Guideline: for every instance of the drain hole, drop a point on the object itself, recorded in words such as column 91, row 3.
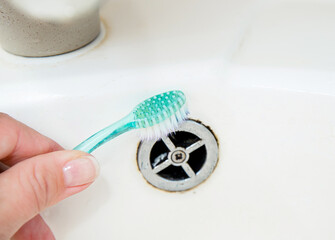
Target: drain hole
column 181, row 160
column 158, row 153
column 173, row 173
column 183, row 139
column 197, row 159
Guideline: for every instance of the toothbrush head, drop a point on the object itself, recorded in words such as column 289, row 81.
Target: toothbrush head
column 161, row 114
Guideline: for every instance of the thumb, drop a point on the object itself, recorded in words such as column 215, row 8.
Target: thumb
column 39, row 182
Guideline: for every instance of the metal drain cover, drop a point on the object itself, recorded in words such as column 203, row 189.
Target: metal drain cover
column 181, row 160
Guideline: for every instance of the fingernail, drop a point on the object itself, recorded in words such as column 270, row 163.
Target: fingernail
column 80, row 171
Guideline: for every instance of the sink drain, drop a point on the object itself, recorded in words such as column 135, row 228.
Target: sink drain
column 181, row 160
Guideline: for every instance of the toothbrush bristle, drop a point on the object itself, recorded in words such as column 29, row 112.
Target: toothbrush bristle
column 165, row 127
column 161, row 114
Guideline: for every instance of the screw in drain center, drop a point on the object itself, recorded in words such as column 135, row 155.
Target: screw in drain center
column 179, row 156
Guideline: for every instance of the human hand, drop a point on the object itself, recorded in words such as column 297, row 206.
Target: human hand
column 41, row 174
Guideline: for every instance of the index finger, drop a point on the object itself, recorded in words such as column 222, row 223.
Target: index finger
column 19, row 142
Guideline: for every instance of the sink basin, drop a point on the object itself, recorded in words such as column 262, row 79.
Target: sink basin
column 261, row 74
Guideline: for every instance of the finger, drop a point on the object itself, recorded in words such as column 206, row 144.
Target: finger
column 39, row 182
column 19, row 142
column 35, row 229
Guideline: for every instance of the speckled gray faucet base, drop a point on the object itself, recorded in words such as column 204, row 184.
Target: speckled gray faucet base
column 31, row 36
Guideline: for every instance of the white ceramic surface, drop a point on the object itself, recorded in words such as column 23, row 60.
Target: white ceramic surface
column 260, row 73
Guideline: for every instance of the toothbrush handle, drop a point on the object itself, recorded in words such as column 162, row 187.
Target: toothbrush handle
column 106, row 134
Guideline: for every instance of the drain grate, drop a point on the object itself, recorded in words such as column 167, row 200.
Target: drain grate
column 181, row 160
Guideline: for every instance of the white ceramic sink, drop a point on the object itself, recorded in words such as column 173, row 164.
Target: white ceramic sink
column 261, row 74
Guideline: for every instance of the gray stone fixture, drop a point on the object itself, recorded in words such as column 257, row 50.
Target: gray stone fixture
column 38, row 28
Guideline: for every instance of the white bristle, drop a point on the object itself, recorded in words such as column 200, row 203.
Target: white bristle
column 179, row 117
column 184, row 112
column 150, row 134
column 156, row 131
column 174, row 121
column 165, row 127
column 166, row 123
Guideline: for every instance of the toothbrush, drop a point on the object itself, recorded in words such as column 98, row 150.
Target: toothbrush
column 156, row 116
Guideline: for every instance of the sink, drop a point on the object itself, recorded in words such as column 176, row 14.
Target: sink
column 260, row 73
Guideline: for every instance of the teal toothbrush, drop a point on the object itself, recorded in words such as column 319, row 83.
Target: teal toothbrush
column 157, row 116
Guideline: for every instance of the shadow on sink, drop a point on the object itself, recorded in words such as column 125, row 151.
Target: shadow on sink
column 74, row 215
